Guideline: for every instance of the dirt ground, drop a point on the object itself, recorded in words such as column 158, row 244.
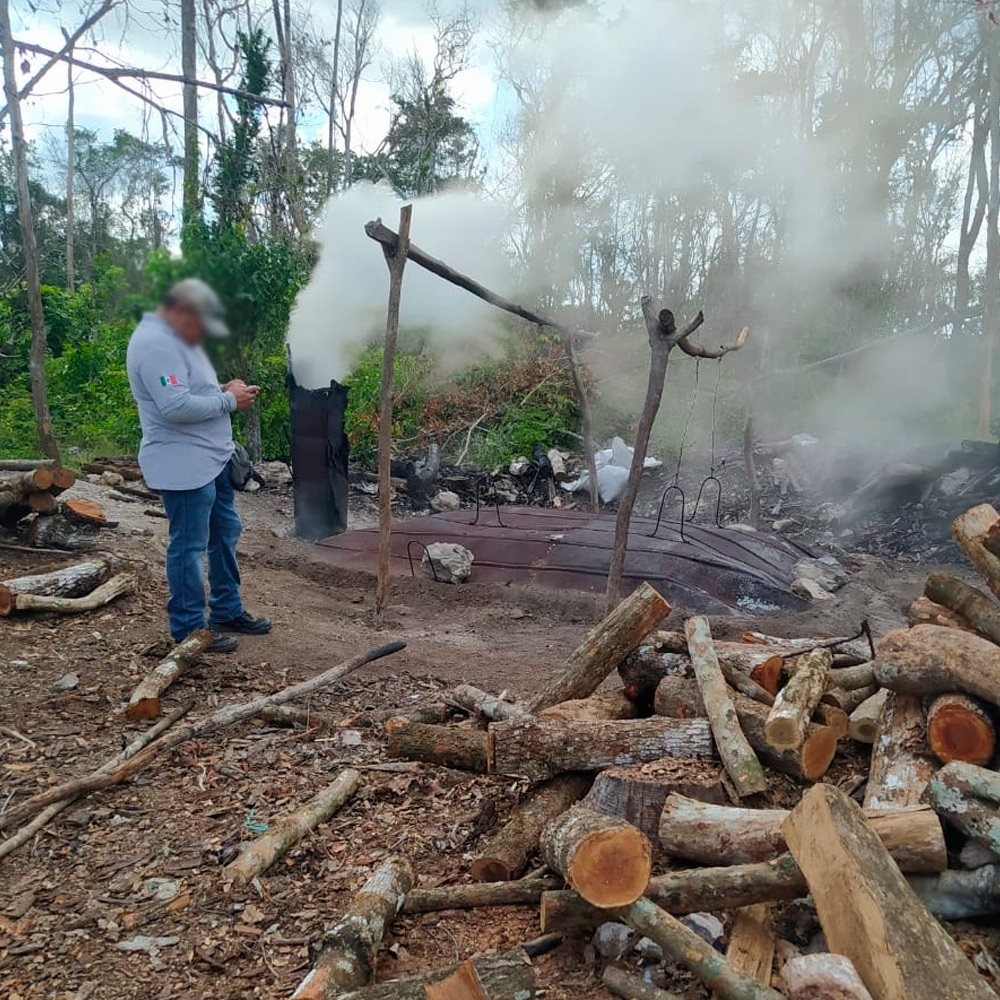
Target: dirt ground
column 121, row 896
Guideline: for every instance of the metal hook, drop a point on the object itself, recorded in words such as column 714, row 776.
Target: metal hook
column 496, row 499
column 718, row 502
column 430, row 562
column 659, row 513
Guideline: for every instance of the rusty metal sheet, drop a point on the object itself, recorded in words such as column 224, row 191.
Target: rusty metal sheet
column 711, row 569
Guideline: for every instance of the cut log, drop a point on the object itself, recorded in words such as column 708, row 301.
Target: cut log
column 348, row 949
column 846, row 700
column 930, row 660
column 823, row 977
column 56, row 531
column 795, row 703
column 127, row 468
column 681, row 944
column 868, row 910
column 70, row 581
column 737, row 755
column 960, row 895
column 768, row 674
column 604, row 648
column 970, row 530
column 901, row 765
column 26, row 464
column 292, row 715
column 865, row 719
column 508, row 976
column 750, row 951
column 968, row 797
column 84, row 512
column 862, row 675
column 924, row 611
column 637, row 793
column 643, row 669
column 505, row 854
column 680, row 699
column 145, row 700
column 629, row 987
column 600, row 707
column 968, row 605
column 832, row 717
column 520, row 892
column 432, row 714
column 606, row 860
column 466, row 983
column 62, row 479
column 258, row 856
column 542, row 748
column 36, row 480
column 723, row 835
column 229, row 715
column 976, row 855
column 478, row 702
column 117, row 586
column 41, row 503
column 959, row 728
column 446, row 746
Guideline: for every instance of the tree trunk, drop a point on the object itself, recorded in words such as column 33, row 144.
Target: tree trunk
column 331, row 124
column 191, row 209
column 901, row 765
column 145, row 700
column 446, row 746
column 967, row 607
column 542, row 748
column 823, row 977
column 117, row 586
column 604, row 647
column 796, row 702
column 991, row 275
column 347, row 956
column 70, row 175
column 520, row 892
column 70, row 581
column 606, row 860
column 505, row 854
column 868, row 911
column 969, row 798
column 865, row 719
column 258, row 856
column 959, row 728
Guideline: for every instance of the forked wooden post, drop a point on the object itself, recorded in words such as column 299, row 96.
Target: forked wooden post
column 396, row 260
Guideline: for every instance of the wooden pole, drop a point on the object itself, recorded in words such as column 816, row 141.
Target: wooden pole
column 396, row 261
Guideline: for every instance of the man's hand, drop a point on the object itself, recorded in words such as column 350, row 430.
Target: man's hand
column 246, row 395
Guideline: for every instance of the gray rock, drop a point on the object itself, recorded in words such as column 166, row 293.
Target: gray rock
column 707, row 926
column 451, row 563
column 811, row 590
column 611, row 939
column 783, row 524
column 445, row 500
column 825, row 571
column 67, row 682
column 949, row 484
column 650, row 951
column 19, row 664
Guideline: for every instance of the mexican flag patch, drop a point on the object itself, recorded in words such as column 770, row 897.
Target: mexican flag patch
column 169, row 380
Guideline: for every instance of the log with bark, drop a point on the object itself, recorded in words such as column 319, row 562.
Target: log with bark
column 490, row 706
column 127, row 468
column 960, row 728
column 519, row 892
column 630, row 987
column 69, row 581
column 865, row 719
column 970, row 531
column 924, row 611
column 110, row 590
column 507, row 976
column 145, row 700
column 604, row 859
column 604, row 648
column 833, row 717
column 968, row 797
column 229, row 715
column 868, row 910
column 446, row 746
column 960, row 895
column 931, row 660
column 969, row 606
column 822, row 977
column 637, row 793
column 862, row 675
column 293, row 715
column 505, row 854
column 788, row 720
column 769, row 675
column 848, row 700
column 724, row 835
column 259, row 855
column 57, row 531
column 348, row 949
column 681, row 944
column 28, row 481
column 679, row 698
column 541, row 748
column 433, row 713
column 738, row 757
column 901, row 765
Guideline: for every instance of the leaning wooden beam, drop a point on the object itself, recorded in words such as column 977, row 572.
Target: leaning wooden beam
column 479, row 702
column 725, row 835
column 604, row 647
column 901, row 765
column 970, row 531
column 788, row 720
column 830, row 977
column 868, row 910
column 968, row 797
column 542, row 748
column 681, row 944
column 630, row 987
column 931, row 659
column 737, row 755
column 446, row 746
column 260, row 854
column 52, row 810
column 226, row 716
column 519, row 892
column 70, row 581
column 960, row 728
column 504, row 855
column 348, row 949
column 606, row 860
column 968, row 604
column 110, row 590
column 145, row 700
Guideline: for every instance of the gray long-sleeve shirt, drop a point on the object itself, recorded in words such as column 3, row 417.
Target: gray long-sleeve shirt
column 187, row 433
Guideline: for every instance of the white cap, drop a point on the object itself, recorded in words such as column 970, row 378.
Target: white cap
column 202, row 300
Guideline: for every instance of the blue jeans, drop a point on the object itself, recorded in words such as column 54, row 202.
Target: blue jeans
column 202, row 521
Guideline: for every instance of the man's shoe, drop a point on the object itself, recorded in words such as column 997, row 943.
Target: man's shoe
column 222, row 643
column 246, row 624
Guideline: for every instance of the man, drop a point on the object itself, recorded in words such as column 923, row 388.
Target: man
column 187, row 441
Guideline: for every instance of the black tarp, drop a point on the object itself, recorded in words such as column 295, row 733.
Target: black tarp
column 319, row 459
